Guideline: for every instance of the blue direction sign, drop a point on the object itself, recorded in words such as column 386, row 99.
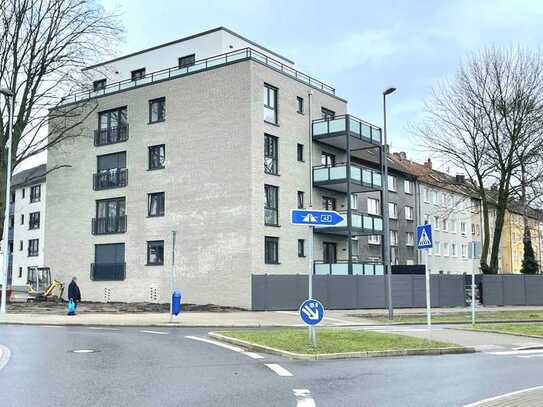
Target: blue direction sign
column 424, row 237
column 318, row 218
column 311, row 312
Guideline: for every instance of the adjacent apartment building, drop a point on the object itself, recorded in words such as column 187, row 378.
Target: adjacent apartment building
column 213, row 137
column 26, row 233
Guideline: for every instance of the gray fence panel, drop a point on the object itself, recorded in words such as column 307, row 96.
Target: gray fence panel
column 451, row 291
column 513, row 290
column 419, row 292
column 371, row 292
column 402, row 291
column 343, row 291
column 492, row 290
column 534, row 290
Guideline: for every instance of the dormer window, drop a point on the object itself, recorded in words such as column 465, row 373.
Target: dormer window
column 138, row 74
column 99, row 85
column 187, row 60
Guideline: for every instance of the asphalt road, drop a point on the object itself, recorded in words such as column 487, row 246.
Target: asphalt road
column 162, row 367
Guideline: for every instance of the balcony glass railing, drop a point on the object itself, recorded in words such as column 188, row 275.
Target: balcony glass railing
column 338, row 125
column 108, row 271
column 109, row 225
column 112, row 178
column 110, row 135
column 341, row 267
column 200, row 65
column 360, row 175
column 363, row 221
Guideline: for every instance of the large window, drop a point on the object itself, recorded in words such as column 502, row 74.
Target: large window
column 392, row 183
column 33, row 247
column 111, row 171
column 271, row 250
column 270, row 104
column 187, row 60
column 394, row 238
column 157, row 110
column 157, row 157
column 409, row 213
column 328, row 159
column 271, row 205
column 155, row 252
column 110, row 216
column 35, row 193
column 112, row 127
column 373, row 206
column 408, row 187
column 271, row 155
column 155, row 204
column 392, row 210
column 328, row 203
column 34, row 220
column 108, row 262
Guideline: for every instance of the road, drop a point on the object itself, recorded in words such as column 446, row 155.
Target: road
column 171, row 367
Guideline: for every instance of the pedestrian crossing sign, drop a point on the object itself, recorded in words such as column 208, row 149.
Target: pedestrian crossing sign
column 424, row 236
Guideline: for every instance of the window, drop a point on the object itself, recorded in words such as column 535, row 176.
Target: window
column 444, row 199
column 410, row 239
column 11, row 221
column 112, row 127
column 270, row 104
column 110, row 216
column 354, row 201
column 301, row 248
column 436, row 223
column 427, row 193
column 34, row 220
column 187, row 60
column 464, row 250
column 35, row 193
column 138, row 74
column 394, row 238
column 300, row 199
column 33, row 249
column 409, row 211
column 21, row 245
column 270, row 155
column 435, row 198
column 329, row 252
column 452, row 226
column 108, row 262
column 445, row 249
column 155, row 252
column 155, row 204
column 328, row 159
column 111, row 171
column 99, row 85
column 22, row 219
column 327, row 113
column 12, row 198
column 300, row 105
column 157, row 110
column 271, row 205
column 20, row 272
column 23, row 193
column 453, row 250
column 444, row 223
column 374, row 239
column 463, row 228
column 408, row 187
column 473, row 228
column 373, row 206
column 328, row 203
column 157, row 157
column 450, row 201
column 437, row 248
column 300, row 152
column 394, row 255
column 478, row 229
column 392, row 210
column 271, row 250
column 392, row 183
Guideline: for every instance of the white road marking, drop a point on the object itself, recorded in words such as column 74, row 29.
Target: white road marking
column 155, row 332
column 280, row 370
column 528, row 347
column 212, row 342
column 488, row 347
column 303, row 398
column 514, row 393
column 254, row 355
column 51, row 326
column 83, row 351
column 531, row 356
column 99, row 328
column 516, row 352
column 5, row 354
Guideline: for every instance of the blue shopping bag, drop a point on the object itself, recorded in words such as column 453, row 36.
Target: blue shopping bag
column 71, row 307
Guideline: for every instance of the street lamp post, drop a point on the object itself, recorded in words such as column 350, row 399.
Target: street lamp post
column 386, row 227
column 10, row 100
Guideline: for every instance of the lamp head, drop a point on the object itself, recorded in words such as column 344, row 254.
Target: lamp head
column 389, row 91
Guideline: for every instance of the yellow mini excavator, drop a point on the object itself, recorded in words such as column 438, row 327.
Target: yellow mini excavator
column 41, row 287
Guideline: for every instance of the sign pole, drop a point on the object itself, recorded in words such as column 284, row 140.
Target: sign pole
column 172, row 278
column 311, row 330
column 428, row 296
column 425, row 242
column 473, row 290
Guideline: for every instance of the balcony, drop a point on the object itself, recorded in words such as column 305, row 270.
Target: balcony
column 112, row 178
column 335, row 178
column 361, row 225
column 111, row 135
column 334, row 132
column 109, row 225
column 108, row 271
column 341, row 268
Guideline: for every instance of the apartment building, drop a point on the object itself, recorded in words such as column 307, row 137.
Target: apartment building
column 214, row 137
column 447, row 204
column 26, row 233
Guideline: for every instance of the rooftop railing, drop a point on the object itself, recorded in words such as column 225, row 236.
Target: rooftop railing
column 197, row 66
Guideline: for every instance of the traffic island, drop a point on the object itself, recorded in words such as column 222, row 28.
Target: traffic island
column 518, row 329
column 335, row 343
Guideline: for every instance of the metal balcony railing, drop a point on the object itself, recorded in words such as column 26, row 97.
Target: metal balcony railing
column 197, row 66
column 111, row 135
column 113, row 178
column 109, row 225
column 360, row 175
column 359, row 129
column 108, row 271
column 341, row 267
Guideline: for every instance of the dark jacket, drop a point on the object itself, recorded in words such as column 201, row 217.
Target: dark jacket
column 73, row 292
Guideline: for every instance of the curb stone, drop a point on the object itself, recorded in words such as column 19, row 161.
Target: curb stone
column 498, row 332
column 343, row 355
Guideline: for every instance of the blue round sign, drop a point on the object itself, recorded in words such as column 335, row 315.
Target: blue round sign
column 311, row 312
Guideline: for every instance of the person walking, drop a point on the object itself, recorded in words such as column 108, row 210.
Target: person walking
column 74, row 294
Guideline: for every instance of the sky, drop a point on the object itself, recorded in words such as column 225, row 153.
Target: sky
column 358, row 47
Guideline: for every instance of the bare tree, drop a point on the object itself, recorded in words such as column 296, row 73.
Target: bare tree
column 486, row 122
column 44, row 44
